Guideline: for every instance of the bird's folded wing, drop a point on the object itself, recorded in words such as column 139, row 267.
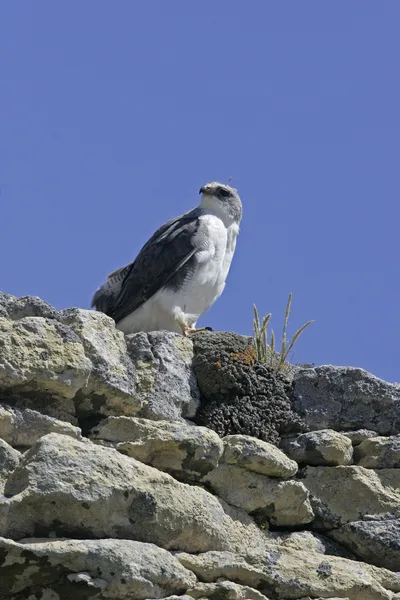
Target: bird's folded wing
column 165, row 256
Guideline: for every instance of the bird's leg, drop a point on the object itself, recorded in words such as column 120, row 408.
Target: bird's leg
column 187, row 330
column 201, row 329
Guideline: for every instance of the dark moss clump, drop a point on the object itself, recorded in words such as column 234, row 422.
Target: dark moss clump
column 239, row 395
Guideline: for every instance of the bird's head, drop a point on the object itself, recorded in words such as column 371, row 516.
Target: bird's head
column 222, row 199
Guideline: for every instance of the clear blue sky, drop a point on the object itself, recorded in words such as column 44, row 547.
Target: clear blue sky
column 115, row 113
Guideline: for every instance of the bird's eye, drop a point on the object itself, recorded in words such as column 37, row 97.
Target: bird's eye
column 223, row 193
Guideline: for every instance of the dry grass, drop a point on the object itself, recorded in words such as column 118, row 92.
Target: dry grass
column 267, row 352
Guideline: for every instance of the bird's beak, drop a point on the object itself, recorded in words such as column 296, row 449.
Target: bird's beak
column 205, row 189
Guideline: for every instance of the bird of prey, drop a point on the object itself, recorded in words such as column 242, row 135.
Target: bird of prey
column 180, row 271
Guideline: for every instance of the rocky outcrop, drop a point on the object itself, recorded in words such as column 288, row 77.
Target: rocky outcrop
column 155, row 466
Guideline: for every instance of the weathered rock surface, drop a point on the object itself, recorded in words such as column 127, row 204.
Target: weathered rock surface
column 28, row 306
column 285, row 573
column 359, row 435
column 258, row 456
column 22, row 428
column 379, row 453
column 9, row 459
column 224, row 590
column 148, row 481
column 110, row 388
column 377, row 542
column 340, row 495
column 185, row 451
column 325, row 447
column 240, row 395
column 42, row 359
column 72, row 488
column 343, row 398
column 165, row 379
column 280, row 503
column 81, row 569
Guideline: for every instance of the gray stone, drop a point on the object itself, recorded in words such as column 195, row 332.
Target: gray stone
column 82, row 569
column 43, row 361
column 258, row 456
column 165, row 380
column 346, row 398
column 9, row 459
column 379, row 453
column 376, row 542
column 111, row 386
column 22, row 428
column 185, row 451
column 285, row 573
column 28, row 306
column 224, row 590
column 359, row 435
column 281, row 503
column 325, row 447
column 340, row 495
column 69, row 488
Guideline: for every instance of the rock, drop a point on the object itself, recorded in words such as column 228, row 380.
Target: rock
column 21, row 428
column 376, row 542
column 298, row 540
column 224, row 590
column 340, row 495
column 280, row 503
column 240, row 395
column 111, row 386
column 43, row 361
column 346, row 398
column 28, row 306
column 379, row 453
column 258, row 456
column 359, row 435
column 81, row 569
column 69, row 488
column 325, row 447
column 165, row 380
column 285, row 573
column 9, row 459
column 185, row 451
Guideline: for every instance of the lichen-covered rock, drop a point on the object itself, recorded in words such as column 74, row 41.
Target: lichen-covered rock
column 376, row 542
column 82, row 569
column 325, row 447
column 28, row 306
column 359, row 435
column 379, row 453
column 258, row 456
column 346, row 398
column 43, row 361
column 185, row 451
column 224, row 590
column 280, row 503
column 340, row 495
column 72, row 488
column 22, row 428
column 284, row 573
column 111, row 386
column 9, row 459
column 165, row 381
column 240, row 395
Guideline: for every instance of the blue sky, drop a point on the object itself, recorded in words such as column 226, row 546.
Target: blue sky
column 115, row 113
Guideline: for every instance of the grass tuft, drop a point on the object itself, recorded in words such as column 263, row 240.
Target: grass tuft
column 267, row 353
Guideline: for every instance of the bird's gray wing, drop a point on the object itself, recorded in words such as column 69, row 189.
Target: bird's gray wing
column 104, row 298
column 167, row 258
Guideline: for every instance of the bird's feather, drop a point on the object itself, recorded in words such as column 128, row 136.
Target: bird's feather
column 164, row 259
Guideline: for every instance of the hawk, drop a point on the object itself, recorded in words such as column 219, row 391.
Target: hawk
column 180, row 272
